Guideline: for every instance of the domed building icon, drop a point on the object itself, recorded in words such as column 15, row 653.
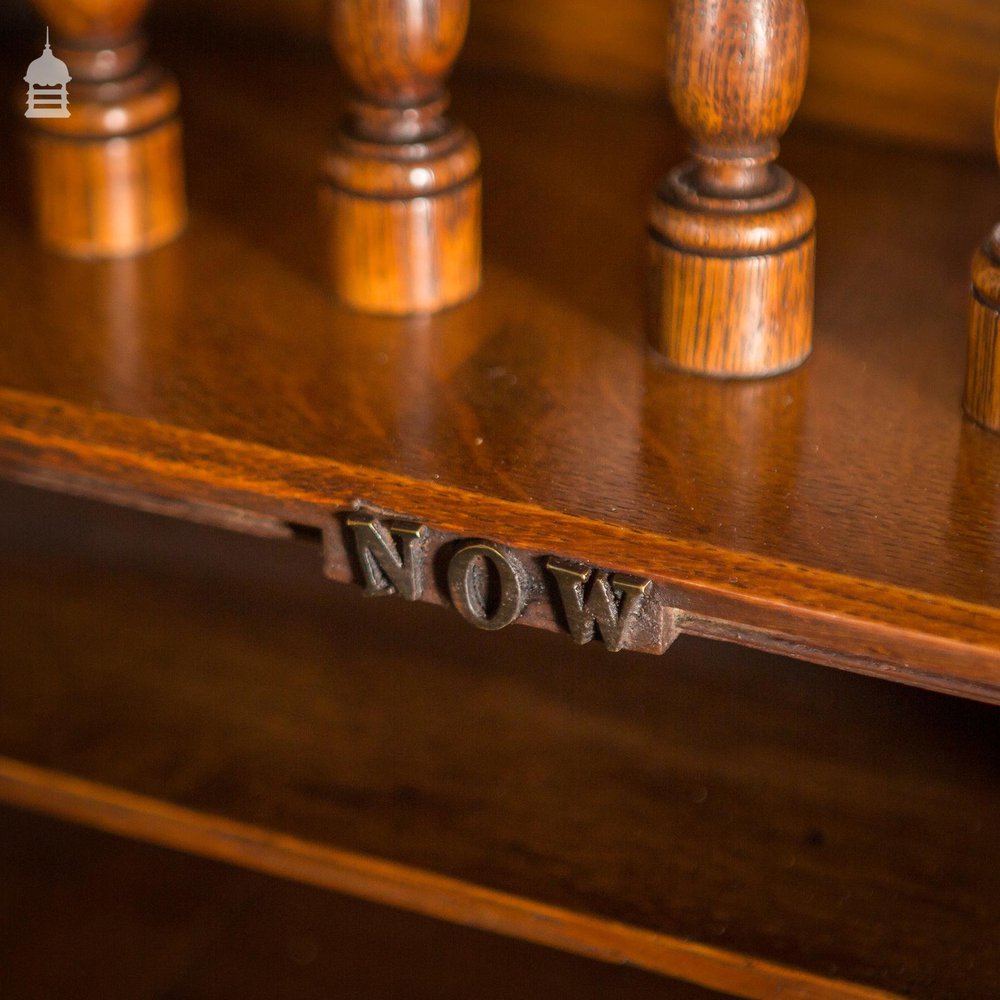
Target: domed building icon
column 47, row 78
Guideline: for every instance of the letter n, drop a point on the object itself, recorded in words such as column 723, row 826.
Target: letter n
column 612, row 604
column 392, row 558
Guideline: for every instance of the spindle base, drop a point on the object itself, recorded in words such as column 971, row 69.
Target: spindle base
column 732, row 280
column 404, row 223
column 109, row 180
column 982, row 383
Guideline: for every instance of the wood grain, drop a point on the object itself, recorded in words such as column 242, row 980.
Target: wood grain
column 791, row 513
column 108, row 179
column 732, row 317
column 732, row 236
column 674, row 813
column 401, row 190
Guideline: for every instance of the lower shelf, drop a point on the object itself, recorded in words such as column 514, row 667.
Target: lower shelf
column 85, row 915
column 752, row 823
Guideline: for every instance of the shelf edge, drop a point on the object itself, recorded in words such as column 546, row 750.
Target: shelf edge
column 161, row 823
column 867, row 627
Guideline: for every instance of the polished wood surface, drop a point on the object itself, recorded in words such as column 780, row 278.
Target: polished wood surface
column 982, row 380
column 109, row 178
column 402, row 191
column 732, row 235
column 920, row 71
column 833, row 513
column 818, row 513
column 746, row 821
column 85, row 915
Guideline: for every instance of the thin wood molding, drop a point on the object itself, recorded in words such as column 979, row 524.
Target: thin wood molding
column 272, row 853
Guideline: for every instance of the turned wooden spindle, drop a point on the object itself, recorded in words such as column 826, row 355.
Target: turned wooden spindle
column 982, row 380
column 401, row 183
column 732, row 234
column 108, row 177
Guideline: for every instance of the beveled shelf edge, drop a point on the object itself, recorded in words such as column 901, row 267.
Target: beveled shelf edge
column 867, row 627
column 167, row 825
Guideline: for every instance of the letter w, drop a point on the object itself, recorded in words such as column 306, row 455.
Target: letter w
column 601, row 606
column 389, row 569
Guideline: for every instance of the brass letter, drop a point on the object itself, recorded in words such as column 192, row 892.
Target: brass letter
column 601, row 606
column 469, row 583
column 386, row 569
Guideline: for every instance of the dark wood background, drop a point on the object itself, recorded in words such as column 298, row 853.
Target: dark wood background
column 917, row 70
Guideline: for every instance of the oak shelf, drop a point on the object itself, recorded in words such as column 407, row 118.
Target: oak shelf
column 844, row 513
column 744, row 821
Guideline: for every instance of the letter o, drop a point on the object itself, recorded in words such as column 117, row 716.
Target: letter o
column 469, row 586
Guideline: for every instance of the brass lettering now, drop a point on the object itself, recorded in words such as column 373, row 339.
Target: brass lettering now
column 491, row 586
column 601, row 608
column 389, row 569
column 485, row 606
